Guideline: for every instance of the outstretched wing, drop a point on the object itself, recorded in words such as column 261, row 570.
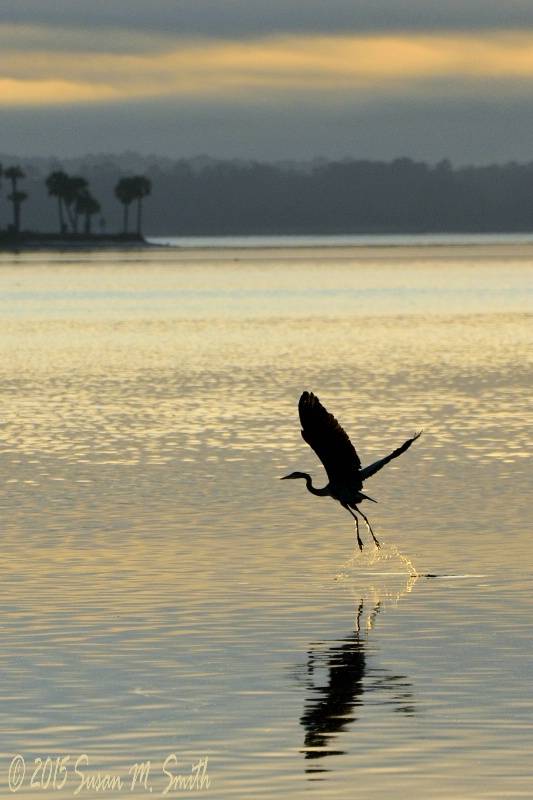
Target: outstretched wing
column 367, row 472
column 329, row 441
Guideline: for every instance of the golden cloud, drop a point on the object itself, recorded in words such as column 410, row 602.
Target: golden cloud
column 53, row 92
column 279, row 66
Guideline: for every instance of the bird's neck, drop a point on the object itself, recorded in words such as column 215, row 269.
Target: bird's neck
column 310, row 488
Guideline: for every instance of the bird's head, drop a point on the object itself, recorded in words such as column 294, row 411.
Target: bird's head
column 294, row 475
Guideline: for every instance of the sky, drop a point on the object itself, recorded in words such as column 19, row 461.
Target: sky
column 269, row 80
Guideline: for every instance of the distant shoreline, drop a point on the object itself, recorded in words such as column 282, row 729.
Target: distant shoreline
column 71, row 241
column 297, row 246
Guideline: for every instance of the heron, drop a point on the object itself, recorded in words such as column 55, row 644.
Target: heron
column 332, row 445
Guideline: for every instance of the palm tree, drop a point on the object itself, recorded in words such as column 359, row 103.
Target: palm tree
column 75, row 186
column 129, row 189
column 57, row 183
column 17, row 198
column 88, row 205
column 14, row 174
column 143, row 188
column 125, row 193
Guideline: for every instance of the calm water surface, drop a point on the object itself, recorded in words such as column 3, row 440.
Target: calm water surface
column 165, row 598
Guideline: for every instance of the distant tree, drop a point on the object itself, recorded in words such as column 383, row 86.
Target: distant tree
column 125, row 194
column 129, row 189
column 14, row 174
column 57, row 183
column 142, row 187
column 17, row 198
column 74, row 188
column 73, row 199
column 87, row 205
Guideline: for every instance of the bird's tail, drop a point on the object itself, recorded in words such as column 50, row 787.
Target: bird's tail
column 366, row 497
column 361, row 496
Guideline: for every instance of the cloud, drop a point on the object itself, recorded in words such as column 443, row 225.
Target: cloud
column 256, row 18
column 32, row 38
column 53, row 92
column 328, row 68
column 464, row 130
column 276, row 79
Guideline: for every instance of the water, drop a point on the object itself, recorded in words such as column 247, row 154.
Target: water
column 346, row 240
column 165, row 598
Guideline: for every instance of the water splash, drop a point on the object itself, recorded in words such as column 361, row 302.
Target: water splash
column 377, row 578
column 387, row 555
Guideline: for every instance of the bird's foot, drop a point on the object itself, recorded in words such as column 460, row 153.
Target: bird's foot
column 359, row 542
column 377, row 543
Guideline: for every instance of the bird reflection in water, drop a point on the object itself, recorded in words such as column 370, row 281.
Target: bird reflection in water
column 331, row 706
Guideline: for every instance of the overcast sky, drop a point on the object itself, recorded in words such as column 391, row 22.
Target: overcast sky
column 269, row 79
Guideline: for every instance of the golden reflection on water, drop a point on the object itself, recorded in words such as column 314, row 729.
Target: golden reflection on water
column 132, row 382
column 157, row 578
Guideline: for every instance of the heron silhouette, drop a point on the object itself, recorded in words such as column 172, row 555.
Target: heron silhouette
column 338, row 455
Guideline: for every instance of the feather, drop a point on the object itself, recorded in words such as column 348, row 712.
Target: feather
column 330, row 442
column 367, row 472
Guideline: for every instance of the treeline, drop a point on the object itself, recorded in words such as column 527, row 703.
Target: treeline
column 208, row 197
column 75, row 201
column 344, row 197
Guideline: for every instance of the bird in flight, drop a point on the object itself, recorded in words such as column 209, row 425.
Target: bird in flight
column 342, row 464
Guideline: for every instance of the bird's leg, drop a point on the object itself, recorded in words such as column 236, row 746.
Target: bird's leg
column 359, row 542
column 370, row 529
